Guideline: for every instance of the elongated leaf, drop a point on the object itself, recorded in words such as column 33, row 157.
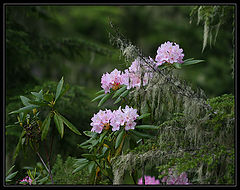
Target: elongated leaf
column 90, row 133
column 98, row 97
column 91, row 166
column 188, row 60
column 126, row 144
column 139, row 134
column 25, row 109
column 24, row 100
column 11, row 126
column 146, row 127
column 38, row 95
column 100, row 92
column 69, row 125
column 80, row 167
column 191, row 62
column 124, row 94
column 80, row 162
column 143, row 116
column 59, row 124
column 59, row 89
column 9, row 177
column 177, row 65
column 8, row 172
column 102, row 135
column 64, row 91
column 43, row 180
column 119, row 139
column 45, row 126
column 18, row 145
column 104, row 99
column 120, row 91
column 89, row 156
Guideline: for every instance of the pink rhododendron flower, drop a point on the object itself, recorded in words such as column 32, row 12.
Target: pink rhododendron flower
column 175, row 179
column 169, row 53
column 101, row 120
column 148, row 181
column 116, row 119
column 111, row 81
column 27, row 179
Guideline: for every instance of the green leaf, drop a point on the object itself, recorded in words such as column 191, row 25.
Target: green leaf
column 119, row 91
column 9, row 177
column 146, row 127
column 25, row 109
column 45, row 126
column 188, row 60
column 10, row 126
column 119, row 139
column 142, row 135
column 64, row 91
column 59, row 124
column 38, row 95
column 102, row 135
column 80, row 161
column 98, row 97
column 18, row 145
column 125, row 93
column 177, row 65
column 104, row 99
column 100, row 92
column 8, row 172
column 24, row 100
column 89, row 156
column 191, row 62
column 69, row 125
column 143, row 116
column 59, row 89
column 126, row 144
column 80, row 167
column 91, row 166
column 90, row 133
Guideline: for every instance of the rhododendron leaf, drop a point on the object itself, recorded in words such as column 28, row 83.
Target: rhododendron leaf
column 177, row 65
column 45, row 126
column 69, row 125
column 25, row 109
column 89, row 156
column 104, row 99
column 19, row 145
column 126, row 145
column 191, row 62
column 80, row 161
column 59, row 124
column 125, row 93
column 146, row 127
column 25, row 100
column 38, row 95
column 80, row 167
column 9, row 177
column 144, row 115
column 142, row 135
column 119, row 139
column 188, row 60
column 98, row 97
column 102, row 135
column 89, row 133
column 100, row 92
column 59, row 89
column 119, row 91
column 91, row 166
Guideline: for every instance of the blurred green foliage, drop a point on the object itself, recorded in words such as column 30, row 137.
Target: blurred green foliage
column 44, row 43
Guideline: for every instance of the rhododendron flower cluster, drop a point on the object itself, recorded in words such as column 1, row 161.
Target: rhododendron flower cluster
column 169, row 53
column 116, row 119
column 111, row 81
column 148, row 180
column 27, row 179
column 174, row 179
